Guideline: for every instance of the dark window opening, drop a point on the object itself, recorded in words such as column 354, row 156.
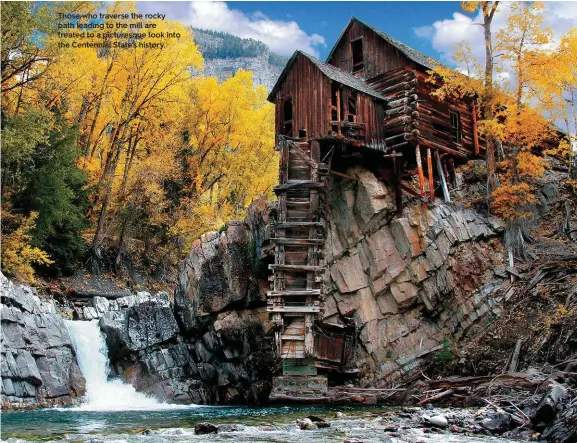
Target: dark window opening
column 287, row 118
column 455, row 127
column 337, row 106
column 302, row 133
column 352, row 117
column 358, row 59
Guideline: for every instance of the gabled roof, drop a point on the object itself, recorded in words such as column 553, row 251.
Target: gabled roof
column 331, row 72
column 410, row 53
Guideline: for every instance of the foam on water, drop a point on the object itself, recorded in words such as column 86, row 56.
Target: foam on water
column 103, row 394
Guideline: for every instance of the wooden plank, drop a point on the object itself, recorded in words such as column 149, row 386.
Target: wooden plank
column 290, row 293
column 293, row 337
column 293, row 309
column 297, row 184
column 298, row 225
column 298, row 241
column 304, row 268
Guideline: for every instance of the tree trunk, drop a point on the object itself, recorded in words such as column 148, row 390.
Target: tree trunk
column 488, row 13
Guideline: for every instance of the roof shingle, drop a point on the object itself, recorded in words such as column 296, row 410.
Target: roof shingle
column 331, row 72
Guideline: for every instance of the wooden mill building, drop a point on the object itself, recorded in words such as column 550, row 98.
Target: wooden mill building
column 370, row 100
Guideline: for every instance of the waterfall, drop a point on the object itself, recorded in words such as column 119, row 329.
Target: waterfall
column 103, row 394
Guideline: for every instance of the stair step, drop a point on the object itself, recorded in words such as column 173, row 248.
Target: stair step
column 297, row 184
column 298, row 241
column 293, row 337
column 294, row 293
column 299, row 225
column 294, row 309
column 303, row 268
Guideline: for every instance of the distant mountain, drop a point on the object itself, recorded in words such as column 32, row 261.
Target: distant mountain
column 224, row 54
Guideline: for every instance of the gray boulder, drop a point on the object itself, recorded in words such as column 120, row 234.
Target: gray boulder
column 38, row 364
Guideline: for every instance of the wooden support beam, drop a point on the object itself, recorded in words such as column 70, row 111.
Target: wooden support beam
column 339, row 116
column 475, row 130
column 420, row 170
column 397, row 183
column 442, row 177
column 430, row 144
column 430, row 175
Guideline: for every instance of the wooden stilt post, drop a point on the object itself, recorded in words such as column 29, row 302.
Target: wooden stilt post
column 397, row 183
column 430, row 174
column 442, row 177
column 420, row 170
column 339, row 111
column 475, row 131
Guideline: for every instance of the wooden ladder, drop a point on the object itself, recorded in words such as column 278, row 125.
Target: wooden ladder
column 296, row 298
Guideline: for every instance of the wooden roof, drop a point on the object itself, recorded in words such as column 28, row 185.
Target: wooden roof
column 331, row 72
column 410, row 53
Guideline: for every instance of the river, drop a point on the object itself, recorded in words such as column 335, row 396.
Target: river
column 113, row 412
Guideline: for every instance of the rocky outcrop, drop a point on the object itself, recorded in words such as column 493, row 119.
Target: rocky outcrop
column 219, row 304
column 265, row 66
column 408, row 282
column 211, row 344
column 38, row 361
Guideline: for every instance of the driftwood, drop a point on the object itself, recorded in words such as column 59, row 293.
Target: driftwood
column 436, row 397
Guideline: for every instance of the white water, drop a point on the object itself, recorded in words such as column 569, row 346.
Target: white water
column 103, row 394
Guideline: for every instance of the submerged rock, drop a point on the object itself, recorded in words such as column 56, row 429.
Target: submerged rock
column 306, row 424
column 205, row 428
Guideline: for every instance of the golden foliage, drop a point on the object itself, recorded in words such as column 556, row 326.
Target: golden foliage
column 18, row 255
column 168, row 152
column 511, row 201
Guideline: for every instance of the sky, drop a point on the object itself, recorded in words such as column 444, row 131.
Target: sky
column 433, row 28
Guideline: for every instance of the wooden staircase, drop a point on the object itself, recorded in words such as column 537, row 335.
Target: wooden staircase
column 296, row 298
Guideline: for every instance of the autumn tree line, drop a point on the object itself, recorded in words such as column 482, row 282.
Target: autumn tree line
column 115, row 157
column 526, row 81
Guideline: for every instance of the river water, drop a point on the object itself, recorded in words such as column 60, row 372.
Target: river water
column 113, row 412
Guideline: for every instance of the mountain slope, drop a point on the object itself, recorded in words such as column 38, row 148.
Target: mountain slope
column 224, row 54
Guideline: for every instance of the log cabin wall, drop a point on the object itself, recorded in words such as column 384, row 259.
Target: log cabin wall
column 378, row 55
column 445, row 124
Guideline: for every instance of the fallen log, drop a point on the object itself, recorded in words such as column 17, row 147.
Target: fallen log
column 436, row 397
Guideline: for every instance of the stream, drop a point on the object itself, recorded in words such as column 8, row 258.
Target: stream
column 114, row 412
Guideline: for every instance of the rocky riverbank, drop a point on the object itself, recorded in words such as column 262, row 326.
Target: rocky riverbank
column 39, row 365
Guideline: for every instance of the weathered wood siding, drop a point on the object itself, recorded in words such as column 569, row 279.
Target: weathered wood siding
column 378, row 55
column 310, row 91
column 311, row 94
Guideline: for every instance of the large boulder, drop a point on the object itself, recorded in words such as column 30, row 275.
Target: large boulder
column 39, row 365
column 139, row 327
column 215, row 276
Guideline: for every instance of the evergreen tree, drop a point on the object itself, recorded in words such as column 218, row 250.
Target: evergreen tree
column 56, row 190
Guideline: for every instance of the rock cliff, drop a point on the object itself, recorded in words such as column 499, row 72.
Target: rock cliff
column 408, row 283
column 224, row 54
column 38, row 361
column 211, row 344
